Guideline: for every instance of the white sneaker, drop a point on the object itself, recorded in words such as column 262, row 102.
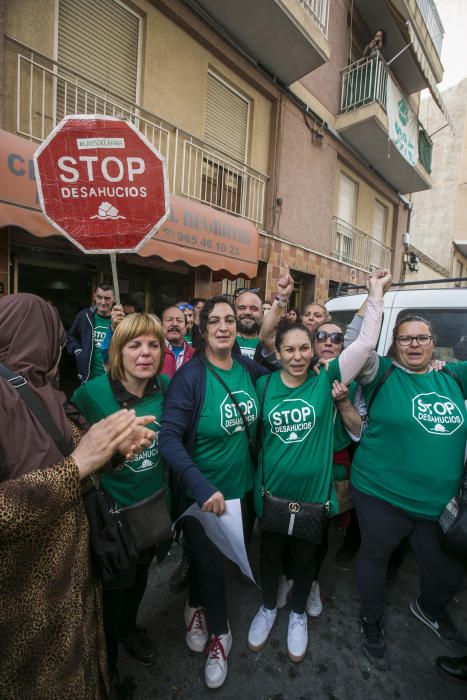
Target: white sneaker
column 196, row 628
column 260, row 628
column 297, row 636
column 283, row 590
column 215, row 670
column 314, row 606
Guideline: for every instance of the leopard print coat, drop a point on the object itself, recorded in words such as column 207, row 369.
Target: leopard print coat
column 51, row 633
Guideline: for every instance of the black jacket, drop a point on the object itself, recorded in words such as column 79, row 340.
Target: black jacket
column 182, row 410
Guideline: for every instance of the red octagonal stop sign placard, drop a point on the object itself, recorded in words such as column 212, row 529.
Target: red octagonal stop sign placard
column 102, row 183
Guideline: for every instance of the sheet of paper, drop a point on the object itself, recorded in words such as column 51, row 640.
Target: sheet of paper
column 226, row 532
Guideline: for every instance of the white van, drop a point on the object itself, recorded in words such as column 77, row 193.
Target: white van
column 446, row 309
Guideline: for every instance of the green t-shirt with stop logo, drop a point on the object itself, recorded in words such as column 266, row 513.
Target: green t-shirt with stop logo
column 142, row 476
column 412, row 452
column 221, row 449
column 297, row 439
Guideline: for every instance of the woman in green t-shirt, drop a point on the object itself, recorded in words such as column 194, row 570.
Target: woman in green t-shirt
column 297, row 456
column 210, row 413
column 408, row 466
column 134, row 382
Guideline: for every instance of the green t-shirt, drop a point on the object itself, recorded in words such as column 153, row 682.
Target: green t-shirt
column 142, row 476
column 247, row 346
column 188, row 338
column 297, row 438
column 101, row 326
column 412, row 452
column 221, row 448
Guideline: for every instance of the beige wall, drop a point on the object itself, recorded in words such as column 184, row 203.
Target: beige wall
column 325, row 82
column 174, row 68
column 306, row 179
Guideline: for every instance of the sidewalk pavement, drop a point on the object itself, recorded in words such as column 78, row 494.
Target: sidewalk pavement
column 334, row 668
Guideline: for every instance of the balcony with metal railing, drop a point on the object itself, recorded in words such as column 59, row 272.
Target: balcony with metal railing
column 319, row 13
column 287, row 37
column 414, row 33
column 47, row 91
column 355, row 247
column 364, row 123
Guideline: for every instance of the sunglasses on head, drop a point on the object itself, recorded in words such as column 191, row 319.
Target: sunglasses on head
column 182, row 307
column 242, row 290
column 334, row 337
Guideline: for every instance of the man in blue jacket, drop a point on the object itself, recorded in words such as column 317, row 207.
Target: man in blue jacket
column 89, row 336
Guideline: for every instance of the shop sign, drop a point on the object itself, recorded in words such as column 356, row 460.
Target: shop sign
column 102, row 184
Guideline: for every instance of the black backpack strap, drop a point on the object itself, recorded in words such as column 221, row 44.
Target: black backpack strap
column 36, row 407
column 266, row 384
column 239, row 410
column 385, row 376
column 454, row 376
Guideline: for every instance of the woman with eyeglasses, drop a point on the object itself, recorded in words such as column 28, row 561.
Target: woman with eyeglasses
column 407, row 468
column 206, row 442
column 297, row 455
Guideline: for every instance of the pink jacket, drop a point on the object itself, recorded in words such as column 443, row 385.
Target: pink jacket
column 171, row 364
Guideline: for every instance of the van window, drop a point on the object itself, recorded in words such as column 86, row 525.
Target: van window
column 449, row 329
column 343, row 316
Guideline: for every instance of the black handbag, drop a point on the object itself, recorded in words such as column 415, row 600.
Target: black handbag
column 113, row 547
column 149, row 520
column 452, row 524
column 303, row 520
column 306, row 521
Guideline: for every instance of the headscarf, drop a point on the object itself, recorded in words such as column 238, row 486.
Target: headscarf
column 31, row 335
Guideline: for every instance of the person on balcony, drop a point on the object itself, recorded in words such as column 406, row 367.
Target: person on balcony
column 376, row 45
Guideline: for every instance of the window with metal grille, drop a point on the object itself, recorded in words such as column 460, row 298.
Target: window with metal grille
column 226, row 130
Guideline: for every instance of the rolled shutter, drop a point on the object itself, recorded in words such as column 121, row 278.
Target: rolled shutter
column 99, row 40
column 226, row 119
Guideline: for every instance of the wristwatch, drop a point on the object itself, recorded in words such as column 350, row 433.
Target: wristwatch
column 281, row 302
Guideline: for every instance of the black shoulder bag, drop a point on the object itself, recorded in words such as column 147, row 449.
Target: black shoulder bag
column 307, row 521
column 112, row 544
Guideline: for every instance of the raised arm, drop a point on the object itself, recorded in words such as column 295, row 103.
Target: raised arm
column 354, row 358
column 271, row 320
column 348, row 412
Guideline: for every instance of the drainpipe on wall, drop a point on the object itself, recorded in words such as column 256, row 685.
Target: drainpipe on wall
column 406, row 241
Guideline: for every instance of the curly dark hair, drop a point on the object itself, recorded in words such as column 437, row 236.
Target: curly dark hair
column 204, row 316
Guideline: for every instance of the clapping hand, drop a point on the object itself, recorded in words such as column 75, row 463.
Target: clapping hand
column 140, row 439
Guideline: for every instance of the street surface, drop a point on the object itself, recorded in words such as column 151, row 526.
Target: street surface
column 334, row 668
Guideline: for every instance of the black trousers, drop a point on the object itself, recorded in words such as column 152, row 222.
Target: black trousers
column 383, row 527
column 300, row 567
column 121, row 609
column 206, row 579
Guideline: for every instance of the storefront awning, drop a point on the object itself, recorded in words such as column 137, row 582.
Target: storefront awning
column 428, row 73
column 194, row 233
column 199, row 235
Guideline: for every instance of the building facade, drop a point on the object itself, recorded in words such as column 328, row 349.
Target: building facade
column 438, row 233
column 268, row 116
